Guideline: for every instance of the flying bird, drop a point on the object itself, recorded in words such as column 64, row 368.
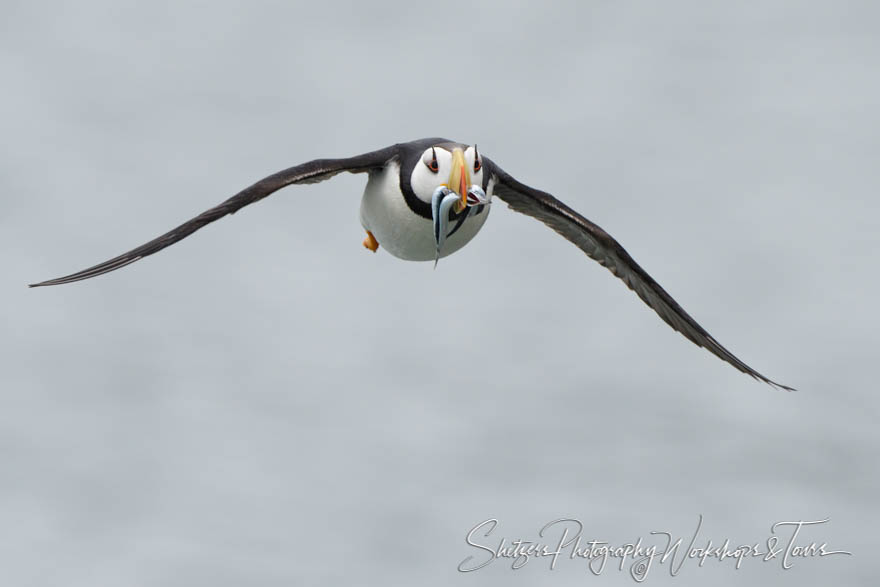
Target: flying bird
column 426, row 199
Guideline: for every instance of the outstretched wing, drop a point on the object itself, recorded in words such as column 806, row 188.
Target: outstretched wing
column 602, row 247
column 311, row 172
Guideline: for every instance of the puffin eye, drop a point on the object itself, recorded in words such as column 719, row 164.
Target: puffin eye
column 431, row 161
column 477, row 163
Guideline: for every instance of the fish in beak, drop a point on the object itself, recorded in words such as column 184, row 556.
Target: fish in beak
column 444, row 200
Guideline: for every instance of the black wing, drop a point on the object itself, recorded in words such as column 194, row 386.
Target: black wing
column 601, row 246
column 311, row 172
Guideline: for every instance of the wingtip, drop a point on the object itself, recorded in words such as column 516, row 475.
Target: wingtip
column 780, row 386
column 46, row 283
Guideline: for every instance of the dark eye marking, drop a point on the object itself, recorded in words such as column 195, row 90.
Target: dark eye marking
column 432, row 162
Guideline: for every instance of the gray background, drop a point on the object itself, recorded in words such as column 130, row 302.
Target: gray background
column 266, row 403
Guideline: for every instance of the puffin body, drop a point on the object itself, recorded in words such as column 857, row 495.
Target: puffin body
column 390, row 209
column 428, row 198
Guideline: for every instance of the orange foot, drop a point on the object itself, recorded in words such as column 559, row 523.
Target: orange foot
column 370, row 242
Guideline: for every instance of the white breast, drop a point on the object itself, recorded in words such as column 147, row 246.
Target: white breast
column 399, row 230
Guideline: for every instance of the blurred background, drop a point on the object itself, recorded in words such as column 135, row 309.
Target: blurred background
column 268, row 403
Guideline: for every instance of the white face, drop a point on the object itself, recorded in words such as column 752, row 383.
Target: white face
column 435, row 168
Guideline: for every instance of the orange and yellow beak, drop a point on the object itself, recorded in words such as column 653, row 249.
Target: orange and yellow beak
column 459, row 178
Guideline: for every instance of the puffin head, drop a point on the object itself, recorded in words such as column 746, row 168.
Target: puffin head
column 456, row 167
